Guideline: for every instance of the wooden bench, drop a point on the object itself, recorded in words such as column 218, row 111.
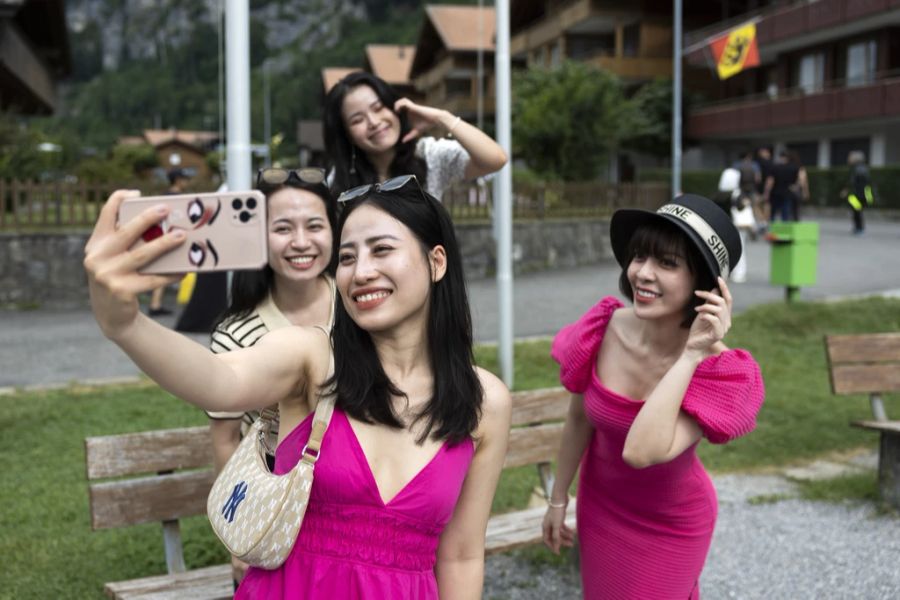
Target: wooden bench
column 174, row 474
column 870, row 364
column 537, row 424
column 168, row 473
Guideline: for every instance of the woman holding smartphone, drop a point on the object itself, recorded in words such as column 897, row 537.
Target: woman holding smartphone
column 372, row 134
column 648, row 382
column 296, row 287
column 410, row 462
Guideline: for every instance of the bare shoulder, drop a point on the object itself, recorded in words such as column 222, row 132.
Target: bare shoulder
column 622, row 317
column 620, row 324
column 295, row 338
column 496, row 407
column 298, row 346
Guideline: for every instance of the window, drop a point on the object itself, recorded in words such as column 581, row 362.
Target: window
column 861, row 63
column 556, row 54
column 841, row 149
column 807, row 152
column 631, row 39
column 459, row 87
column 581, row 47
column 811, row 73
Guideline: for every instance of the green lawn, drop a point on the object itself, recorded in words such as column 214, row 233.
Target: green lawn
column 50, row 551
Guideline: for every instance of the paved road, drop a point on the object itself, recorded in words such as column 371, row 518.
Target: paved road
column 45, row 347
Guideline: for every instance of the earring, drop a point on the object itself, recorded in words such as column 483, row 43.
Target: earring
column 353, row 160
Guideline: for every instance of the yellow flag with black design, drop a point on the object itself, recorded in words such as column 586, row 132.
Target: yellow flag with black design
column 736, row 50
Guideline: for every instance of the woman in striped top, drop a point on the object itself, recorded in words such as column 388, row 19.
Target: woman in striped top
column 295, row 288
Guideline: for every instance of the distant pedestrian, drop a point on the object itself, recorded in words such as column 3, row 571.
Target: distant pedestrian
column 648, row 382
column 786, row 187
column 859, row 189
column 742, row 205
column 761, row 211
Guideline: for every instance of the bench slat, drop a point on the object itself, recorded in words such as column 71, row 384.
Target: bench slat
column 883, row 426
column 148, row 499
column 208, row 582
column 537, row 406
column 856, row 379
column 532, row 445
column 148, row 452
column 521, row 528
column 866, row 348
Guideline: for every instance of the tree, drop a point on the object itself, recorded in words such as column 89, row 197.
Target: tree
column 567, row 121
column 652, row 132
column 19, row 154
column 123, row 165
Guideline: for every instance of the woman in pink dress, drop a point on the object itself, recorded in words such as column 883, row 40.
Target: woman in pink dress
column 648, row 382
column 409, row 464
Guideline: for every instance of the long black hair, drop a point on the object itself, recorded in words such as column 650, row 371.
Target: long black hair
column 250, row 288
column 659, row 239
column 364, row 390
column 339, row 147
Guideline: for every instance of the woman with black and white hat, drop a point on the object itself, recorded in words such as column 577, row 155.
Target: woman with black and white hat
column 648, row 382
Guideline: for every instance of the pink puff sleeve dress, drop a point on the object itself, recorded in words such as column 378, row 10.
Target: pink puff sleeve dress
column 645, row 533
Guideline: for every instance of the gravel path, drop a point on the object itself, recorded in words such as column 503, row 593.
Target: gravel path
column 788, row 549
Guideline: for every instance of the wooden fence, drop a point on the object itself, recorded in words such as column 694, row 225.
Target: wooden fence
column 34, row 206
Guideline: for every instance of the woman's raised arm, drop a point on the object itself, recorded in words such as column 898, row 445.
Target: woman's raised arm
column 252, row 378
column 485, row 155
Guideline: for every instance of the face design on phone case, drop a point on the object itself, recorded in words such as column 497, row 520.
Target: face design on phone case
column 222, row 230
column 198, row 252
column 199, row 214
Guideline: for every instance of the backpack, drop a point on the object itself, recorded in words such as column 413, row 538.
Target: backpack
column 729, row 180
column 748, row 177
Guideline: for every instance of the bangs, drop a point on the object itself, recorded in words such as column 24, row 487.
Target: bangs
column 660, row 240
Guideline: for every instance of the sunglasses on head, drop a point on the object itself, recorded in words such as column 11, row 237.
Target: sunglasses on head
column 310, row 175
column 390, row 185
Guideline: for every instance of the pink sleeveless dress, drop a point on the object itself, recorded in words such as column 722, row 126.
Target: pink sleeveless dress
column 351, row 544
column 645, row 533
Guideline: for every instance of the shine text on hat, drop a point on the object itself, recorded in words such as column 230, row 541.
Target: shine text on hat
column 704, row 230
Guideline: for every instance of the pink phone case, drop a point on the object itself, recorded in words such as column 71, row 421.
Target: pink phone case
column 225, row 231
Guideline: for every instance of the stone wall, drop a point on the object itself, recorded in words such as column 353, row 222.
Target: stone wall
column 44, row 269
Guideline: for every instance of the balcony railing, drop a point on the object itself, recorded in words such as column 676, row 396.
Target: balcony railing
column 835, row 102
column 791, row 20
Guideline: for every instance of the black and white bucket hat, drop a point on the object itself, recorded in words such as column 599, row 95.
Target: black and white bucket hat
column 706, row 225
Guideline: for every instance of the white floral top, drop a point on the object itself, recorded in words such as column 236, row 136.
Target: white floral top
column 446, row 160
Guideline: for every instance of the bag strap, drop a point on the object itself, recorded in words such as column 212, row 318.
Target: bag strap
column 324, row 410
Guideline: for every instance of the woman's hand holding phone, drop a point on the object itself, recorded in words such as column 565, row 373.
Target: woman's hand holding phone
column 112, row 265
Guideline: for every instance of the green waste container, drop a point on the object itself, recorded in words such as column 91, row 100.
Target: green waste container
column 795, row 253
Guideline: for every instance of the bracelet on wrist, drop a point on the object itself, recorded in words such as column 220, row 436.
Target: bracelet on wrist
column 553, row 504
column 453, row 126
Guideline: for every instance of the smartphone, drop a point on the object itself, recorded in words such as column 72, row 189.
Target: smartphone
column 225, row 231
